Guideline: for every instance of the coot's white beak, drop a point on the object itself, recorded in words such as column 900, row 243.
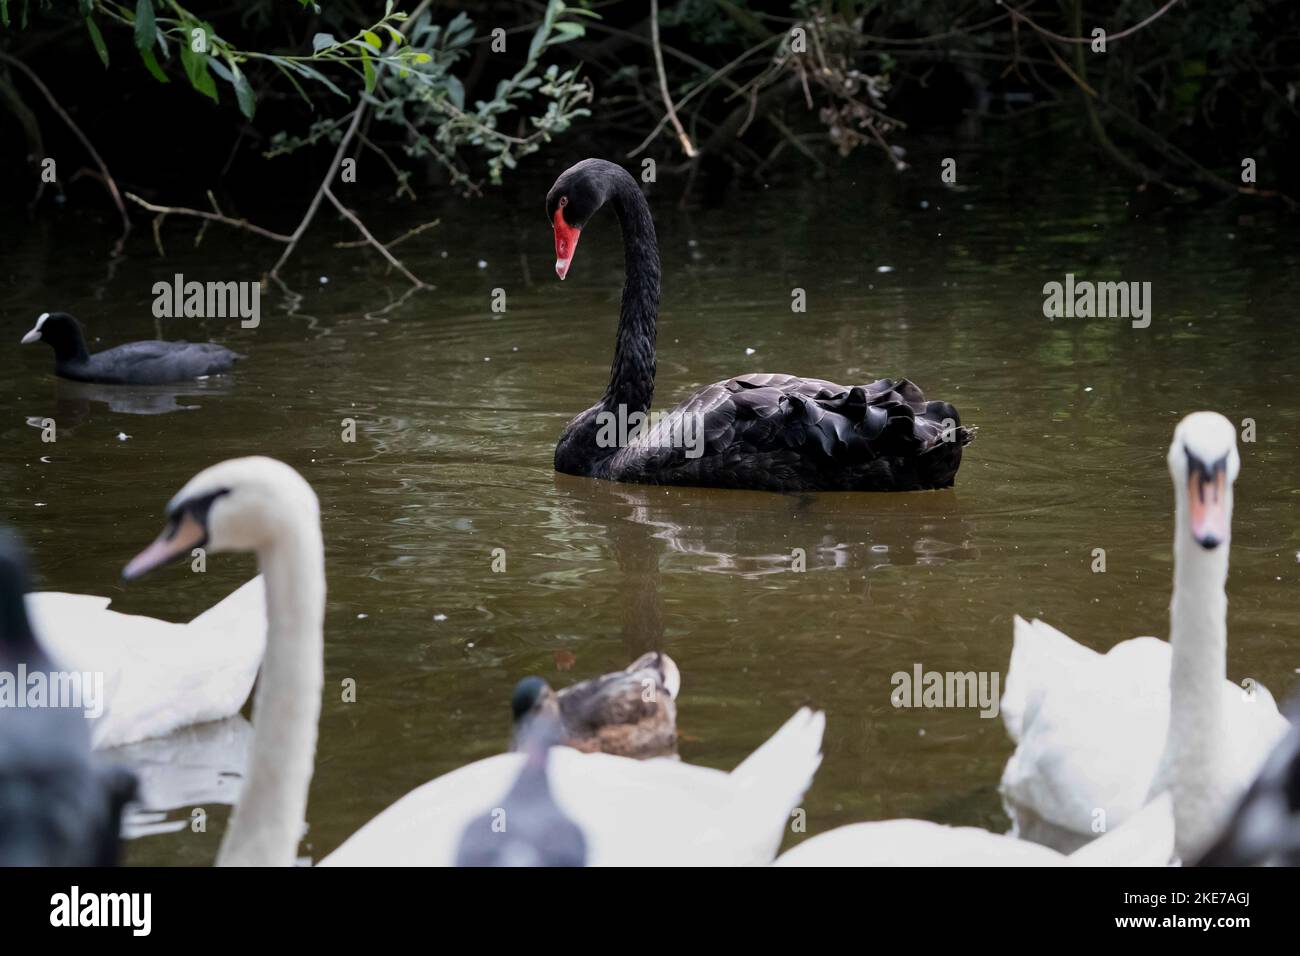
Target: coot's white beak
column 33, row 336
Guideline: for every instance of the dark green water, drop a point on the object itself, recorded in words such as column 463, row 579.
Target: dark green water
column 457, row 409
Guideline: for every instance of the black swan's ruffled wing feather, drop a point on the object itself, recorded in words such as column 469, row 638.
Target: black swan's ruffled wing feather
column 780, row 432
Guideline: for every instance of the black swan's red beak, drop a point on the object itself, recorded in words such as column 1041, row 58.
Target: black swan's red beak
column 566, row 240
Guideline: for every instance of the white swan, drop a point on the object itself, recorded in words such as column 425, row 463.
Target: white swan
column 1096, row 734
column 1146, row 839
column 158, row 676
column 630, row 811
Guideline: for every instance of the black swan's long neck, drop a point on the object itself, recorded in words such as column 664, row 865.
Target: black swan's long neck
column 632, row 376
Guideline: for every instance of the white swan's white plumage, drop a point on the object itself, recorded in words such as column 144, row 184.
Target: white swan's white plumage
column 158, row 676
column 1147, row 839
column 1097, row 734
column 632, row 812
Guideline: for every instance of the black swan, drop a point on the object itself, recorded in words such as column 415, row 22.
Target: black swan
column 764, row 431
column 611, row 713
column 135, row 363
column 59, row 805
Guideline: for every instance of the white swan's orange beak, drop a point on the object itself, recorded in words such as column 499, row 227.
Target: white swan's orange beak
column 178, row 538
column 566, row 241
column 1207, row 506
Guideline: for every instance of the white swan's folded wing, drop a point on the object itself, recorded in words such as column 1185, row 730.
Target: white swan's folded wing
column 1041, row 658
column 659, row 812
column 635, row 813
column 1091, row 729
column 157, row 676
column 916, row 843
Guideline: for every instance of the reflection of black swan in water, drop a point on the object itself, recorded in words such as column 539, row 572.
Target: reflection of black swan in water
column 768, row 431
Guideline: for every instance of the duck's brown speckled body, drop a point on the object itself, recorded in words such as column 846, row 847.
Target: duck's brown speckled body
column 630, row 713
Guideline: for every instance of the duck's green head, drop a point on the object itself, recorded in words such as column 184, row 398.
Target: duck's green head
column 528, row 693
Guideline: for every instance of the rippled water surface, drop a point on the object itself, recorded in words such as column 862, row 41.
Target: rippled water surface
column 457, row 409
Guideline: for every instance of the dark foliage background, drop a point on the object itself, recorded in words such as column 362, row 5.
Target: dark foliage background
column 1175, row 104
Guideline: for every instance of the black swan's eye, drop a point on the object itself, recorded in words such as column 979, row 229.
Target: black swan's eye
column 564, row 200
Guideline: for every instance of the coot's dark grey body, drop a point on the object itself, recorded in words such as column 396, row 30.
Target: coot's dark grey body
column 527, row 828
column 59, row 805
column 136, row 363
column 766, row 431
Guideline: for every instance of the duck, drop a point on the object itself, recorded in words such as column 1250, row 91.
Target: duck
column 1264, row 829
column 135, row 363
column 526, row 827
column 60, row 805
column 1145, row 839
column 630, row 713
column 763, row 431
column 1096, row 735
column 159, row 676
column 630, row 811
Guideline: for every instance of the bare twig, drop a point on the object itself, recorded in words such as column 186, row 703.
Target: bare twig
column 164, row 211
column 1110, row 37
column 361, row 228
column 323, row 188
column 685, row 140
column 400, row 239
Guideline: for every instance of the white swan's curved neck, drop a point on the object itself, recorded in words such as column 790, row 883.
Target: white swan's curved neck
column 267, row 823
column 1198, row 631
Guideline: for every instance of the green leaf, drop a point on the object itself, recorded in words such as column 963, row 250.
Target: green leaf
column 97, row 40
column 369, row 69
column 539, row 41
column 196, row 69
column 302, row 69
column 244, row 94
column 323, row 41
column 151, row 64
column 460, row 31
column 564, row 32
column 4, row 12
column 455, row 92
column 146, row 29
column 372, row 38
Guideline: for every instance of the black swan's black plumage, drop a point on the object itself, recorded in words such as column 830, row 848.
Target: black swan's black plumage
column 59, row 804
column 765, row 431
column 135, row 363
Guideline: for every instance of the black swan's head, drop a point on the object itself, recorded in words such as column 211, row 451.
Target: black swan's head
column 580, row 190
column 61, row 332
